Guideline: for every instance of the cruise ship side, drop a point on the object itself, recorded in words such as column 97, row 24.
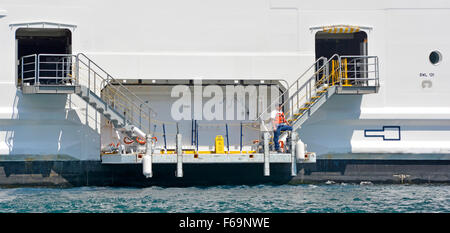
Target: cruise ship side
column 177, row 93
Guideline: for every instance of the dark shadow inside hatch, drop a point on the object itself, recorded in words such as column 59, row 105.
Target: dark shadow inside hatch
column 41, row 41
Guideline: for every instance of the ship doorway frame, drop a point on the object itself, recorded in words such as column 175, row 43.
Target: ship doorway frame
column 344, row 42
column 39, row 25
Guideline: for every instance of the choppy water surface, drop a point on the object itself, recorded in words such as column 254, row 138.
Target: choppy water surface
column 263, row 198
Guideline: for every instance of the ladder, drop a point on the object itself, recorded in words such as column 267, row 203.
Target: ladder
column 78, row 74
column 324, row 78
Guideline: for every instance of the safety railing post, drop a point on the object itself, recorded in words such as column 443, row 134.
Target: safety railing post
column 77, row 70
column 149, row 121
column 36, row 66
column 228, row 139
column 196, row 134
column 164, row 136
column 21, row 74
column 340, row 71
column 56, row 71
column 327, row 71
column 192, row 132
column 241, row 137
column 298, row 97
column 95, row 89
column 377, row 78
column 291, row 111
column 310, row 90
column 89, row 78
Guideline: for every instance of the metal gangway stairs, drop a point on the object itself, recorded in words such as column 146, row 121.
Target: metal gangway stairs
column 324, row 78
column 78, row 74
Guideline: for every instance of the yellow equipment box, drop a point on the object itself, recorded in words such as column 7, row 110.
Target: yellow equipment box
column 220, row 146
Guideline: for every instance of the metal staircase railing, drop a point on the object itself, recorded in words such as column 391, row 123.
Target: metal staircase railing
column 134, row 110
column 98, row 88
column 319, row 82
column 298, row 90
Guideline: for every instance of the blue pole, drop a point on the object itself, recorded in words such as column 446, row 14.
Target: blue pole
column 164, row 134
column 241, row 136
column 192, row 126
column 228, row 141
column 196, row 133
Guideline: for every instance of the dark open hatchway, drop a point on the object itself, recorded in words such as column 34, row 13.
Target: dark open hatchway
column 42, row 41
column 344, row 44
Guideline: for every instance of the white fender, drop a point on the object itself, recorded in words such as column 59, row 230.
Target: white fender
column 147, row 170
column 147, row 166
column 300, row 150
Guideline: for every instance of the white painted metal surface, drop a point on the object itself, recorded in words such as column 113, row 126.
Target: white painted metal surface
column 231, row 40
column 200, row 159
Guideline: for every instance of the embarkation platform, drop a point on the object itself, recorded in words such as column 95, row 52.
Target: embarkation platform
column 130, row 117
column 204, row 158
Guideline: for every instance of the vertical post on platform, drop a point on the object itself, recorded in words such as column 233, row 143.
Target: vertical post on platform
column 228, row 140
column 164, row 136
column 241, row 137
column 293, row 157
column 179, row 172
column 192, row 132
column 266, row 154
column 196, row 134
column 147, row 169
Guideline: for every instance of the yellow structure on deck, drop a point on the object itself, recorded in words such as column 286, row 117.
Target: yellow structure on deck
column 220, row 146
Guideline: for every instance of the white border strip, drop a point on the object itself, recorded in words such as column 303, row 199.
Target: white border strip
column 43, row 24
column 312, row 28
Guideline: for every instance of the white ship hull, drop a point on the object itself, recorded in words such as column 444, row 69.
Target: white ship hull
column 234, row 40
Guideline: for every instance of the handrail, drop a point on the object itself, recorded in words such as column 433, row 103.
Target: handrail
column 105, row 80
column 135, row 109
column 316, row 85
column 371, row 68
column 298, row 79
column 62, row 66
column 289, row 87
column 22, row 67
column 120, row 98
column 108, row 75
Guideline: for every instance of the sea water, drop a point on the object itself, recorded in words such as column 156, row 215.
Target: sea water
column 321, row 198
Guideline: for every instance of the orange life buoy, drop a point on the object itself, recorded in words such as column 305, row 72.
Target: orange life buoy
column 155, row 138
column 127, row 140
column 112, row 144
column 140, row 140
